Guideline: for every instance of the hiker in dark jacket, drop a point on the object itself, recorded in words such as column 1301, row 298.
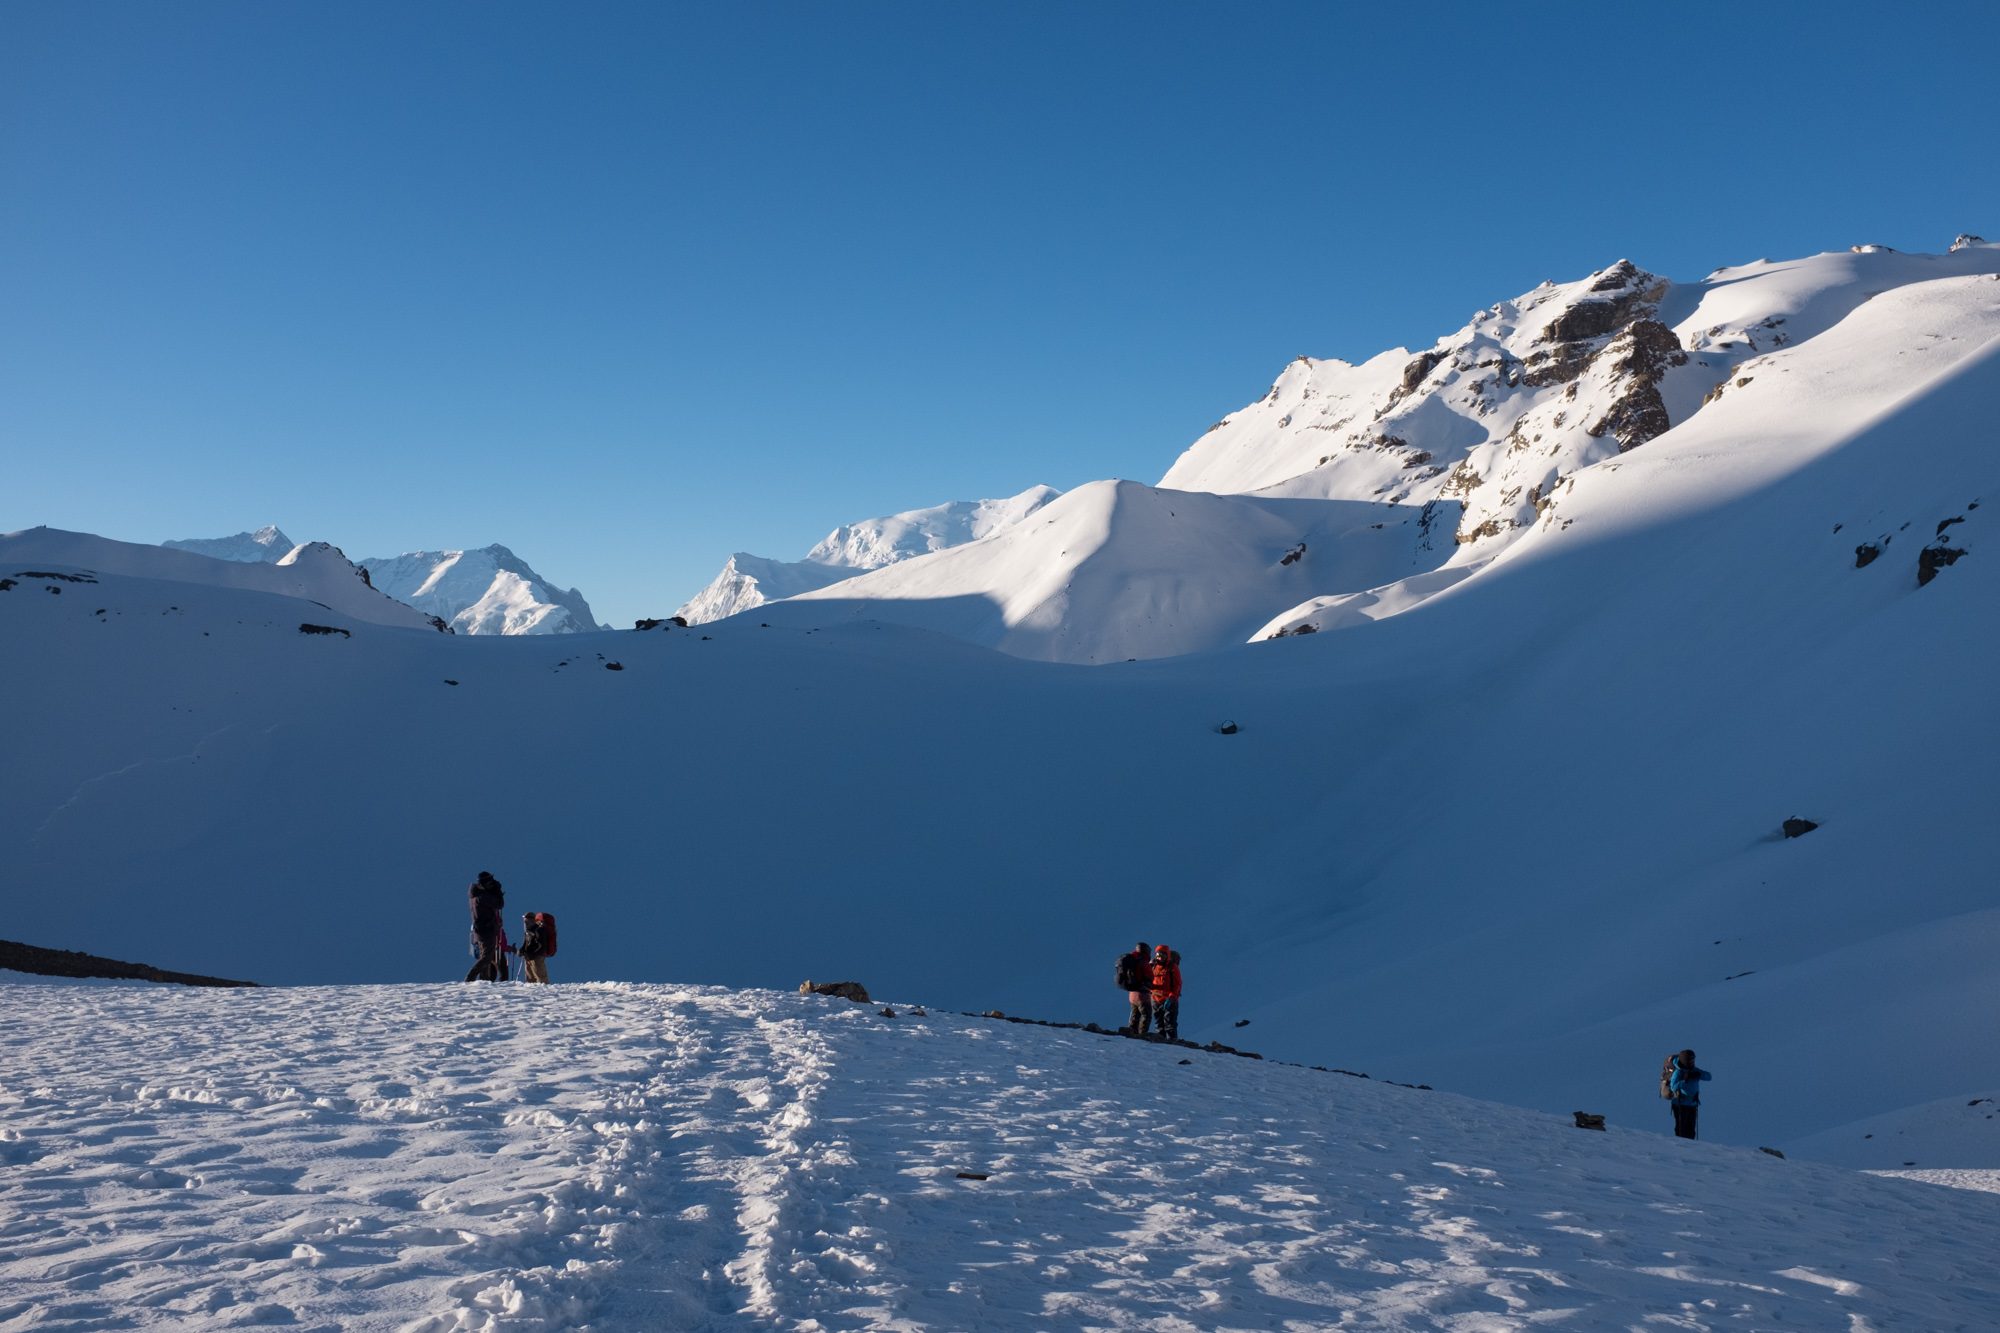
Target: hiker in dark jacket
column 486, row 900
column 1685, row 1083
column 534, row 950
column 1167, row 993
column 1135, row 978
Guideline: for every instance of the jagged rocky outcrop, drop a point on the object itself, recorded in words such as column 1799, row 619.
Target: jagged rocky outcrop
column 1493, row 416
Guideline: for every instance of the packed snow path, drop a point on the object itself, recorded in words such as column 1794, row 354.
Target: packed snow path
column 620, row 1157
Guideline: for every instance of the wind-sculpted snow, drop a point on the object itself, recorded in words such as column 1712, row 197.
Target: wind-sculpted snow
column 446, row 1158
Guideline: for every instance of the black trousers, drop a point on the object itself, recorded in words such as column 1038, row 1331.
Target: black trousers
column 1167, row 1017
column 487, row 968
column 1684, row 1120
column 1142, row 1011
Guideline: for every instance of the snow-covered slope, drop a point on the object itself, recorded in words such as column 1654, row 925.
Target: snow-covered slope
column 1116, row 570
column 748, row 581
column 315, row 572
column 265, row 546
column 487, row 591
column 1485, row 430
column 434, row 1158
column 1519, row 839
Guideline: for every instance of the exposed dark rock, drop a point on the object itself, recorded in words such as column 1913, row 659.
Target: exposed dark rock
column 678, row 622
column 1585, row 1120
column 974, row 1175
column 449, row 681
column 846, row 990
column 41, row 962
column 1933, row 558
column 1417, row 459
column 1226, row 729
column 5, row 584
column 1492, row 527
column 1640, row 356
column 1618, row 275
column 1303, row 627
column 324, row 629
column 1798, row 828
column 1947, row 522
column 1415, row 374
column 887, row 1012
column 1293, row 556
column 1774, row 1152
column 1243, row 1022
column 1865, row 554
column 614, row 666
column 59, row 578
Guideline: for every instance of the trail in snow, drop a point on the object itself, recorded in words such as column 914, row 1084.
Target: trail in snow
column 612, row 1157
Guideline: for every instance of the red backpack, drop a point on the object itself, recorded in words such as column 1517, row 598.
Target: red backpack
column 546, row 923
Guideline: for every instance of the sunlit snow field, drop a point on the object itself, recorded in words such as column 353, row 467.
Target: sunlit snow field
column 615, row 1156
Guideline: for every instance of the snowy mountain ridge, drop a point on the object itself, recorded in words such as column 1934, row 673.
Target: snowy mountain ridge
column 1486, row 431
column 267, row 545
column 486, row 591
column 748, row 581
column 315, row 573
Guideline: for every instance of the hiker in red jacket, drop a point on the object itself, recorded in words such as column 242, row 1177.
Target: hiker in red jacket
column 1167, row 993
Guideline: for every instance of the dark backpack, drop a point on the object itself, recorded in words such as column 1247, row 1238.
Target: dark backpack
column 544, row 925
column 1667, row 1075
column 1128, row 977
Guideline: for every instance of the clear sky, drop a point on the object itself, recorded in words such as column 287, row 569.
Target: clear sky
column 628, row 287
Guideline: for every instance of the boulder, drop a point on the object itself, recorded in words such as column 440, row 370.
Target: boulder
column 846, row 990
column 1585, row 1120
column 1798, row 828
column 1933, row 558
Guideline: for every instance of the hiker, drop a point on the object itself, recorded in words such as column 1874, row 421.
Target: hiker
column 1684, row 1081
column 1135, row 978
column 486, row 900
column 1167, row 993
column 534, row 950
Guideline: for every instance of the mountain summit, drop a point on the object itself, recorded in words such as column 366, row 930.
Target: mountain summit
column 266, row 546
column 748, row 581
column 486, row 591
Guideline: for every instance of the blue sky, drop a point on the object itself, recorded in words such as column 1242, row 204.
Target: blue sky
column 628, row 287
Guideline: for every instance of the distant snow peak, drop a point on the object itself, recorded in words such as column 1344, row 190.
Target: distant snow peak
column 748, row 581
column 486, row 591
column 266, row 546
column 1966, row 240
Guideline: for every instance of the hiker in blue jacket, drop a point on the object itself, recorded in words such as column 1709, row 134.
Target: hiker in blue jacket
column 1685, row 1083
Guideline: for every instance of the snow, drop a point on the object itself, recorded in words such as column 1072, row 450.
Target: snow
column 487, row 591
column 315, row 572
column 434, row 1158
column 267, row 545
column 1115, row 571
column 749, row 581
column 1506, row 824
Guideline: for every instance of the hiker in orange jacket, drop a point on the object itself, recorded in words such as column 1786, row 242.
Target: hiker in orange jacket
column 1167, row 993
